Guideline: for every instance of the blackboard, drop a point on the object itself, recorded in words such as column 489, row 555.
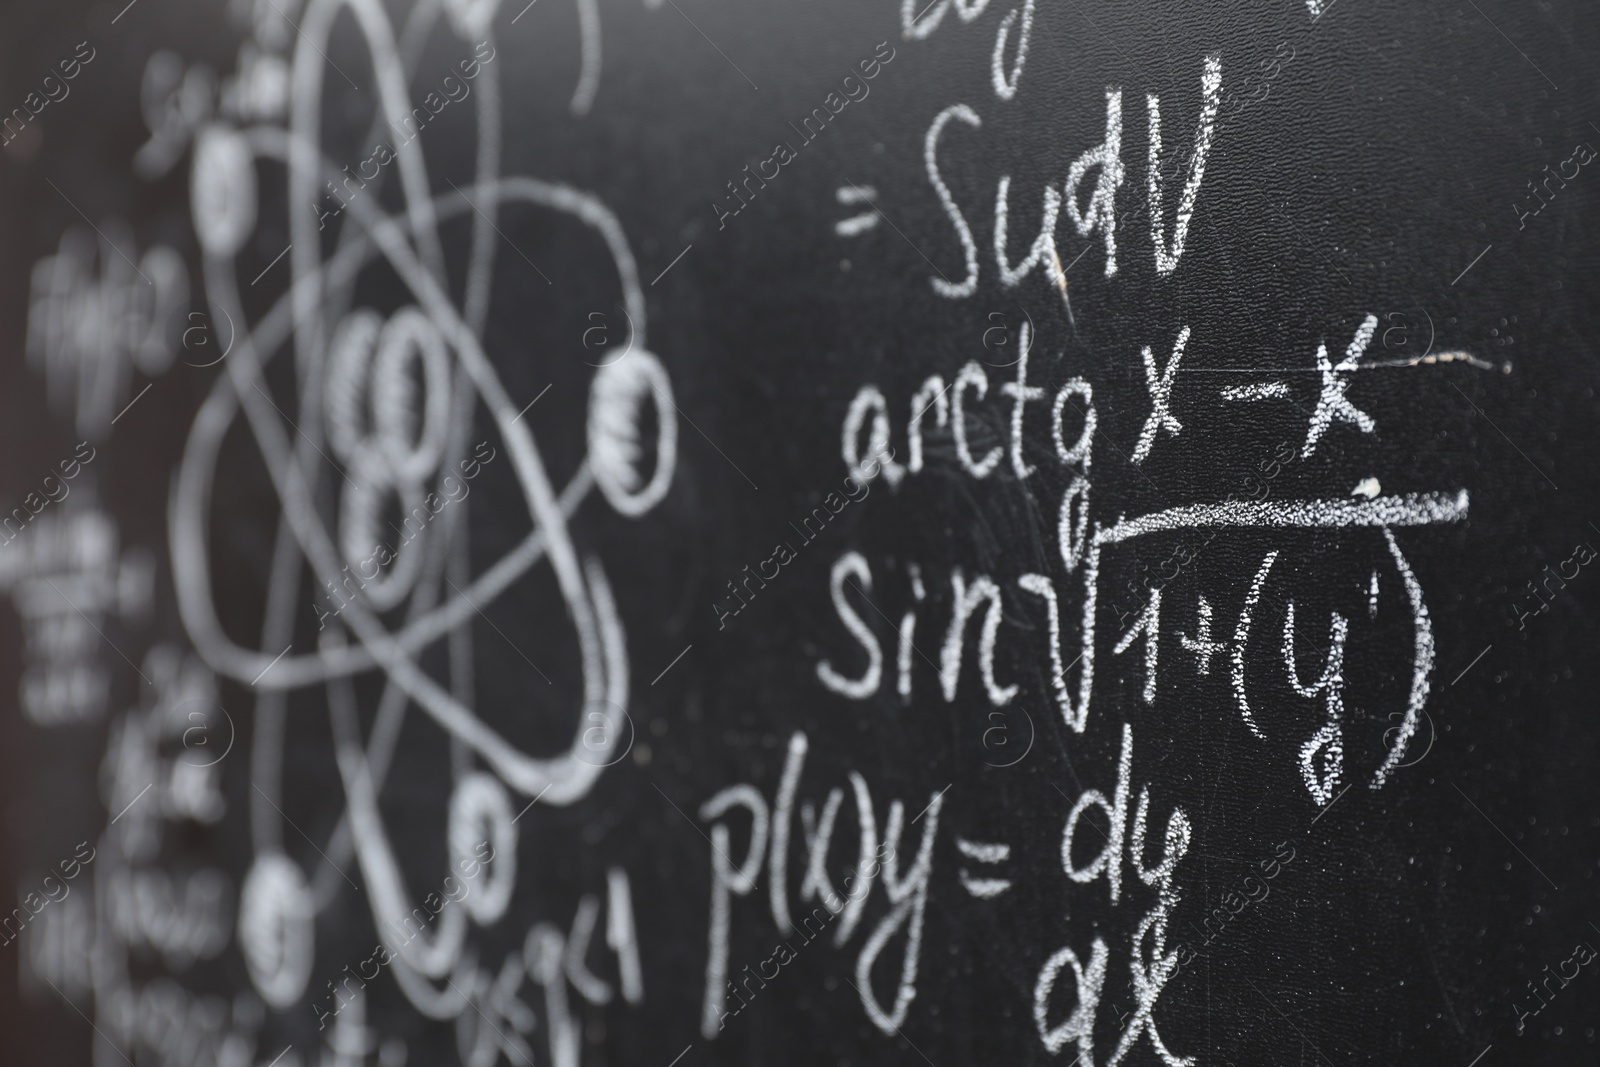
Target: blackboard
column 681, row 532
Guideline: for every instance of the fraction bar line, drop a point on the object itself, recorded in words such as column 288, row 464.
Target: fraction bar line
column 1409, row 509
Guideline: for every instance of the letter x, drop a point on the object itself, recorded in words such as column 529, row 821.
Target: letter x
column 1333, row 404
column 1160, row 386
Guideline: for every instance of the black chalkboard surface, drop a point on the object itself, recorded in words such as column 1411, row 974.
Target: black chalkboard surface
column 669, row 533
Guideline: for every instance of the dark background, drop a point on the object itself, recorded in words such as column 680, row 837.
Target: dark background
column 1382, row 159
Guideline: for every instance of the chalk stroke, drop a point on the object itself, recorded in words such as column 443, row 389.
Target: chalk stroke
column 1159, row 383
column 856, row 225
column 1333, row 404
column 358, row 412
column 1168, row 253
column 1257, row 391
column 984, row 888
column 1241, row 640
column 1421, row 669
column 1407, row 509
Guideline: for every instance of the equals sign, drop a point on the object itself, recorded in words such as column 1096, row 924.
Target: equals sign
column 856, row 224
column 984, row 888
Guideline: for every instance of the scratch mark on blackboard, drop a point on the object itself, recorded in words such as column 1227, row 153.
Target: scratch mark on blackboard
column 131, row 803
column 674, row 263
column 1502, row 433
column 713, row 444
column 673, row 664
column 1473, row 664
column 273, row 664
column 132, row 402
column 936, row 796
column 96, row 229
column 1474, row 263
column 713, row 44
column 274, row 263
column 97, row 629
column 1502, row 833
column 534, row 401
column 1286, row 1019
column 1331, row 803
